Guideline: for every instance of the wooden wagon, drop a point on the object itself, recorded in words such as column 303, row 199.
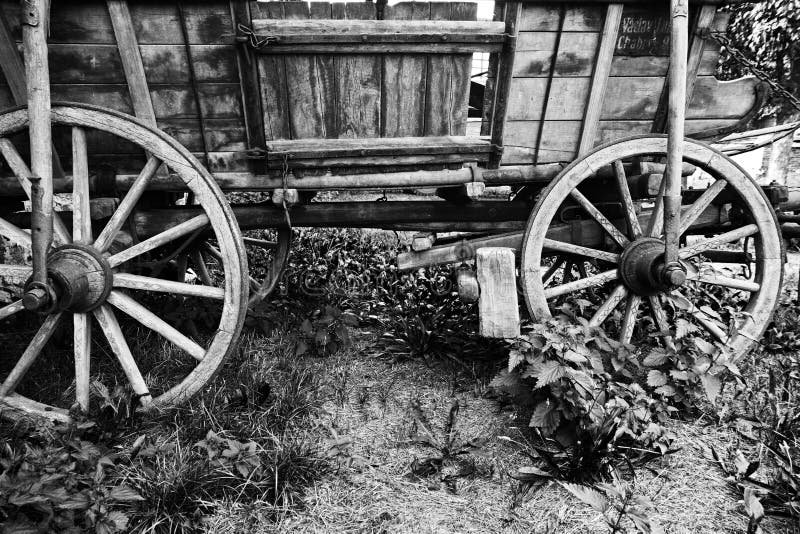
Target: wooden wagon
column 136, row 118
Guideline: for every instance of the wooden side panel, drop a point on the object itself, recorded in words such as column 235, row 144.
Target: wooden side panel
column 272, row 78
column 636, row 78
column 404, row 81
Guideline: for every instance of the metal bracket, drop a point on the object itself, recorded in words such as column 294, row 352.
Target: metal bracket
column 30, row 14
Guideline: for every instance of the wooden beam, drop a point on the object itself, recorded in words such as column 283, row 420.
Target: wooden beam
column 131, row 57
column 704, row 20
column 597, row 95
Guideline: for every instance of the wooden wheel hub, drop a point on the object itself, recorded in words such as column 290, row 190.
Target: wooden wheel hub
column 641, row 267
column 81, row 278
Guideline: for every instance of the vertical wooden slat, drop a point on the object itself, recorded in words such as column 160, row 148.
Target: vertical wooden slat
column 247, row 67
column 358, row 85
column 310, row 87
column 437, row 92
column 605, row 55
column 505, row 72
column 131, row 57
column 491, row 79
column 272, row 79
column 462, row 70
column 404, row 77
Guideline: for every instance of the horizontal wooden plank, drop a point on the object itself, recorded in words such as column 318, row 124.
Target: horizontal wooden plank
column 560, row 138
column 352, row 31
column 378, row 160
column 87, row 21
column 628, row 98
column 382, row 48
column 302, row 148
column 219, row 101
column 567, row 98
column 578, row 18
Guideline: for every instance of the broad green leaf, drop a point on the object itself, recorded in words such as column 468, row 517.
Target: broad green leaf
column 656, row 378
column 587, row 495
column 712, row 386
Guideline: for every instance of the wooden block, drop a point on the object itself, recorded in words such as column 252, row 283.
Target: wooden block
column 497, row 306
column 422, row 241
column 290, row 196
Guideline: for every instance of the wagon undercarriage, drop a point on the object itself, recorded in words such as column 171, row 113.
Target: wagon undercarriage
column 103, row 215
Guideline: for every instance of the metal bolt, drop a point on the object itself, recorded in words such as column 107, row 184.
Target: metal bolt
column 675, row 276
column 35, row 299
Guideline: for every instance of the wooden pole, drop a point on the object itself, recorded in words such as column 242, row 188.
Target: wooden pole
column 35, row 14
column 679, row 49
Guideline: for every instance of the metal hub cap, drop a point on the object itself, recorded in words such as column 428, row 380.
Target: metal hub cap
column 640, row 266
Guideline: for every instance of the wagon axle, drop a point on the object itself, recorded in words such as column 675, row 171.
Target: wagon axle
column 644, row 271
column 79, row 280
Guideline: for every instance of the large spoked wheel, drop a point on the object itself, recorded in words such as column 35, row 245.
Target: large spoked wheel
column 730, row 248
column 99, row 272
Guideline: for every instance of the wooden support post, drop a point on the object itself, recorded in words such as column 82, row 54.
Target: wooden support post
column 679, row 44
column 37, row 74
column 497, row 305
column 602, row 69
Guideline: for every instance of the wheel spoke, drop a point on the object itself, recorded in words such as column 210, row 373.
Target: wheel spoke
column 83, row 350
column 31, row 354
column 727, row 237
column 660, row 317
column 263, row 243
column 11, row 309
column 23, row 172
column 81, row 205
column 629, row 318
column 634, row 227
column 583, row 283
column 699, row 206
column 656, row 223
column 552, row 270
column 200, row 266
column 150, row 320
column 601, row 219
column 15, row 272
column 724, row 281
column 185, row 228
column 610, row 304
column 578, row 250
column 709, row 323
column 106, row 237
column 108, row 323
column 14, row 234
column 146, row 283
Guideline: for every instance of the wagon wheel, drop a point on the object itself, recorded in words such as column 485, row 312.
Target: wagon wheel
column 267, row 254
column 98, row 275
column 623, row 293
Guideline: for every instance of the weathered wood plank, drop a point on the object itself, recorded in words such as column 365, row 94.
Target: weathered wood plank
column 358, row 82
column 272, row 78
column 579, row 18
column 404, row 80
column 498, row 308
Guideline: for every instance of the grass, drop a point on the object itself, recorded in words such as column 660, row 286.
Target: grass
column 331, row 441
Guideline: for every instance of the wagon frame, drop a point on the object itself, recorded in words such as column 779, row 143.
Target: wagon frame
column 312, row 118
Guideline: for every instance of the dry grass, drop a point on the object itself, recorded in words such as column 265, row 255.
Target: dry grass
column 372, row 488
